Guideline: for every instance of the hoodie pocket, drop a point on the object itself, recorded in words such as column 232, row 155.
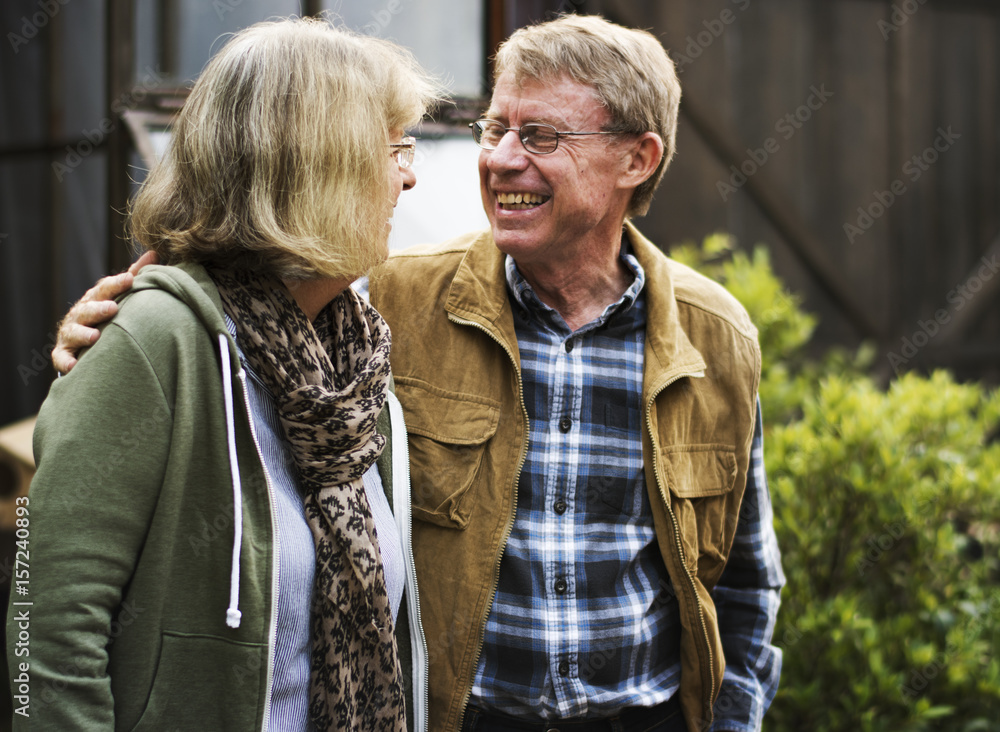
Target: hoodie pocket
column 205, row 682
column 448, row 436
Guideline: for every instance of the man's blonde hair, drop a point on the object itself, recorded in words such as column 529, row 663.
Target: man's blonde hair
column 279, row 159
column 630, row 72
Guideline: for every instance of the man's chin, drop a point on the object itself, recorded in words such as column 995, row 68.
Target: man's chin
column 515, row 241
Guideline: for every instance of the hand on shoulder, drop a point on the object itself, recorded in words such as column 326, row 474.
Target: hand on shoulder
column 78, row 329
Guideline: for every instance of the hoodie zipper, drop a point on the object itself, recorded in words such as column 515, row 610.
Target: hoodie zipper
column 272, row 632
column 418, row 640
column 677, row 531
column 510, row 520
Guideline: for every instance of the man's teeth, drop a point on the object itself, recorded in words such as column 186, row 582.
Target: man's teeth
column 518, row 201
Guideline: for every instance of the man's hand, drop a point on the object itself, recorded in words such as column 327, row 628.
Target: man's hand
column 97, row 305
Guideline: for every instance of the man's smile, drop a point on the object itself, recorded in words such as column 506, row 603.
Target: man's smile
column 520, row 201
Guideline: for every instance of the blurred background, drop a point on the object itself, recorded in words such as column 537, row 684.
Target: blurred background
column 858, row 140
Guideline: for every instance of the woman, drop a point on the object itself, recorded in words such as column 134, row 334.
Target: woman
column 212, row 545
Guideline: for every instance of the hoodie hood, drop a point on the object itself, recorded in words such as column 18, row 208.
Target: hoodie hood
column 190, row 284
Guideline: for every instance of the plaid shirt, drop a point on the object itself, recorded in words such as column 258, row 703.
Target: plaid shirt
column 585, row 621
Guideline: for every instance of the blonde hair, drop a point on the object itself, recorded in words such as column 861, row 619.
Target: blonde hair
column 630, row 72
column 279, row 159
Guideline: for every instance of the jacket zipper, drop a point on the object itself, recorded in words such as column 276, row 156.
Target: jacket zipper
column 272, row 632
column 677, row 531
column 510, row 520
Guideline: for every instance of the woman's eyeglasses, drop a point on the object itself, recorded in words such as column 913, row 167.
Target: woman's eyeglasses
column 403, row 151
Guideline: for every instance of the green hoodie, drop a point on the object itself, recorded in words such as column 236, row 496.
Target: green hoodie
column 131, row 531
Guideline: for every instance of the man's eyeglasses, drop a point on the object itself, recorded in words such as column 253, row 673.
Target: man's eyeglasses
column 403, row 151
column 536, row 137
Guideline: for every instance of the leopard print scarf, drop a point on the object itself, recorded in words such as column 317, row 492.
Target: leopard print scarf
column 329, row 379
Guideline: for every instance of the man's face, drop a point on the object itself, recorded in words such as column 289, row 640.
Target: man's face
column 570, row 198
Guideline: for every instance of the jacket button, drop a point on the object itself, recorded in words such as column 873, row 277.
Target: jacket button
column 565, row 424
column 560, row 507
column 564, row 668
column 561, row 586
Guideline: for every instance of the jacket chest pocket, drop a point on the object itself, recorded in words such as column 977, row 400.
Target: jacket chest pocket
column 448, row 436
column 701, row 479
column 698, row 471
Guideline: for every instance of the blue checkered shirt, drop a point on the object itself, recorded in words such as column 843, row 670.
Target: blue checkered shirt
column 585, row 622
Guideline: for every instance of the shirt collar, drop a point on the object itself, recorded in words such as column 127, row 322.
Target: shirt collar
column 524, row 295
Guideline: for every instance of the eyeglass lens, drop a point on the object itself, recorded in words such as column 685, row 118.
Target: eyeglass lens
column 536, row 138
column 404, row 151
column 404, row 156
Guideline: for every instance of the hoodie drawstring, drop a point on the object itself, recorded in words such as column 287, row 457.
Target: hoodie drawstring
column 233, row 612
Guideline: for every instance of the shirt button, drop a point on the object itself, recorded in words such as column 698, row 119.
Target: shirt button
column 560, row 507
column 565, row 423
column 569, row 345
column 561, row 586
column 564, row 668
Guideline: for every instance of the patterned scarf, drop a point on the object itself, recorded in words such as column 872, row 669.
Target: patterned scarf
column 329, row 379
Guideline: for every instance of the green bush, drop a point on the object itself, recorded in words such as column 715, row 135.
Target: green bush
column 887, row 510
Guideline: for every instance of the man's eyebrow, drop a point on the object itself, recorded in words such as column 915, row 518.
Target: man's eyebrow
column 541, row 120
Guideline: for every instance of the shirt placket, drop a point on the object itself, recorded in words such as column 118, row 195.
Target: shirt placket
column 563, row 480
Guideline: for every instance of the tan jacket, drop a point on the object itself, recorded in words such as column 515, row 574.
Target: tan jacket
column 457, row 369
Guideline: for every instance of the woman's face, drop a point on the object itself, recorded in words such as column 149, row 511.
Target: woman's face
column 403, row 179
column 400, row 179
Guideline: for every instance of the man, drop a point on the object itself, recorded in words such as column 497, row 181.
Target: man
column 593, row 534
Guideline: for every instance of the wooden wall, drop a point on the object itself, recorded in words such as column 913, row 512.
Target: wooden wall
column 886, row 81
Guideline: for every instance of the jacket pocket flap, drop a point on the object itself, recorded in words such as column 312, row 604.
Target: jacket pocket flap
column 446, row 416
column 694, row 471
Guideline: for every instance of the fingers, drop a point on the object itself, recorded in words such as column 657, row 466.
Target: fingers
column 106, row 289
column 71, row 338
column 87, row 313
column 75, row 333
column 95, row 307
column 149, row 257
column 62, row 360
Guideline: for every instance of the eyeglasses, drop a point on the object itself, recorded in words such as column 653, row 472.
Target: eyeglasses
column 536, row 137
column 403, row 151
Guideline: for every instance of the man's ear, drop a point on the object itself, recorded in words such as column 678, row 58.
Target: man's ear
column 643, row 155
